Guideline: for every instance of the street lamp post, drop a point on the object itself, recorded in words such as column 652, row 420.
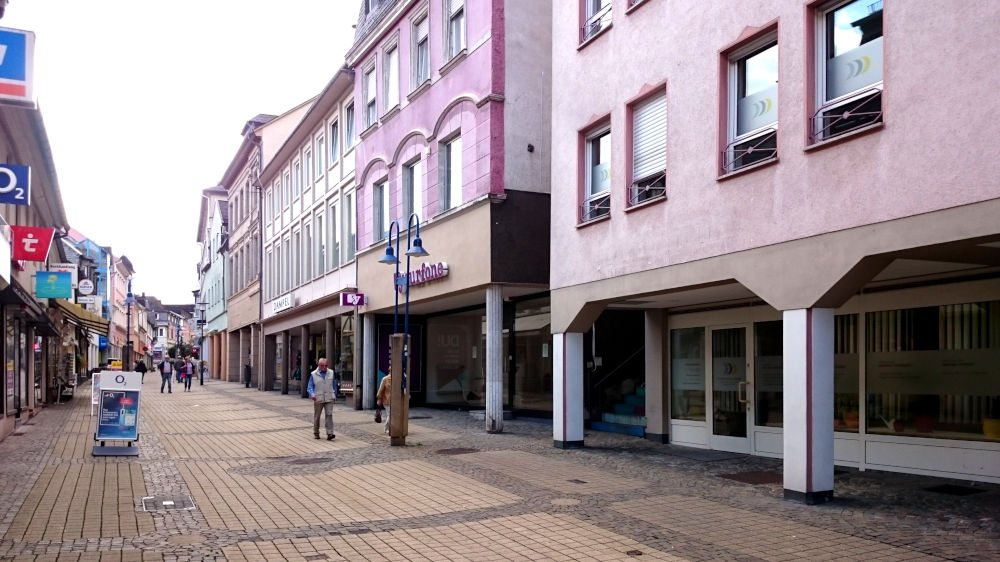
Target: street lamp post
column 129, row 301
column 399, row 411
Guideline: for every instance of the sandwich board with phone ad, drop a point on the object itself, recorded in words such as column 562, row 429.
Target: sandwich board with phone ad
column 118, row 413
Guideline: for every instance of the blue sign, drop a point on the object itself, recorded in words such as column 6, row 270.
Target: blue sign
column 16, row 64
column 119, row 415
column 53, row 284
column 102, row 342
column 15, row 184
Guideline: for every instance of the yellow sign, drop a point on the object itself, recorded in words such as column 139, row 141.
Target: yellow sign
column 116, row 365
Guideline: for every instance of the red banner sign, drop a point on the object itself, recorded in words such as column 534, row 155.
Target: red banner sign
column 31, row 243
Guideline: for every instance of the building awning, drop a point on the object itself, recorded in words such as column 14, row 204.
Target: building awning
column 83, row 317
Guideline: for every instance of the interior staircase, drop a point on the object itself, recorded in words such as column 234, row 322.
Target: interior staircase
column 628, row 417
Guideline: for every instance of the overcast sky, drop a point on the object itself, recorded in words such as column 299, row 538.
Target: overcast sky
column 144, row 102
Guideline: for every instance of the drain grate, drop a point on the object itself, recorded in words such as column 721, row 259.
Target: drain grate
column 316, row 557
column 577, row 481
column 953, row 490
column 311, row 460
column 456, row 451
column 755, row 477
column 420, row 417
column 167, row 503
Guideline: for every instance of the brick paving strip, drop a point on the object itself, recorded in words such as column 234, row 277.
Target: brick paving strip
column 263, row 489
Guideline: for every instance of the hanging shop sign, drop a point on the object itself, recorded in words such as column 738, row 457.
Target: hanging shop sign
column 70, row 268
column 352, row 299
column 425, row 273
column 85, row 286
column 53, row 285
column 17, row 65
column 15, row 183
column 31, row 243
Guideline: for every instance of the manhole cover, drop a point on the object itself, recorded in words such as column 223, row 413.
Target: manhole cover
column 755, row 477
column 309, row 461
column 167, row 503
column 456, row 451
column 953, row 490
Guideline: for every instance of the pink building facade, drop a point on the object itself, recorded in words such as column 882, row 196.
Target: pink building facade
column 452, row 105
column 777, row 232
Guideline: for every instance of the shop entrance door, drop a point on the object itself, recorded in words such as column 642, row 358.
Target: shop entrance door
column 731, row 379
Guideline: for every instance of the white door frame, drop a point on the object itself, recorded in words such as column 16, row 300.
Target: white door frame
column 723, row 442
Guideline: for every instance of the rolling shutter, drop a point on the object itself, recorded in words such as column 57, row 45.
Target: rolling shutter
column 649, row 137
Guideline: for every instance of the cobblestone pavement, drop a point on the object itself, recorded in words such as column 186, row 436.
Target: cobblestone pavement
column 249, row 482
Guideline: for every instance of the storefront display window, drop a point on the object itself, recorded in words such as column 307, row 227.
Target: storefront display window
column 456, row 359
column 768, row 373
column 532, row 355
column 846, row 379
column 934, row 371
column 687, row 374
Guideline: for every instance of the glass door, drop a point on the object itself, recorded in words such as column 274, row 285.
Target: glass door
column 730, row 388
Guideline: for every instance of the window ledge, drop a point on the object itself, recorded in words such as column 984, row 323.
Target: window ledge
column 594, row 37
column 635, row 6
column 867, row 129
column 421, row 88
column 601, row 218
column 647, row 203
column 371, row 129
column 391, row 113
column 453, row 62
column 748, row 169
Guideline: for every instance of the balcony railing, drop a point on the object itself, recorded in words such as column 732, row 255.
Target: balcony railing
column 595, row 23
column 745, row 151
column 843, row 116
column 648, row 189
column 595, row 208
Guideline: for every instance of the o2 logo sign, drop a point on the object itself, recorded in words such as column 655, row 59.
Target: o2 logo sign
column 15, row 184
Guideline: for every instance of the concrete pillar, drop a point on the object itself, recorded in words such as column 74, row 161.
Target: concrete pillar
column 268, row 366
column 567, row 390
column 494, row 358
column 283, row 368
column 807, row 344
column 369, row 362
column 304, row 348
column 657, row 383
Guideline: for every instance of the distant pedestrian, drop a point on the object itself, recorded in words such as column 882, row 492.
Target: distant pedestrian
column 141, row 369
column 188, row 374
column 166, row 369
column 179, row 368
column 383, row 395
column 322, row 389
column 202, row 368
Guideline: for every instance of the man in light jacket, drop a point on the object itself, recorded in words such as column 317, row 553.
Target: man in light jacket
column 322, row 389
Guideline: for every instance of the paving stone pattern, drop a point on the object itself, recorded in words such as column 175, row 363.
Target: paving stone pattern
column 259, row 487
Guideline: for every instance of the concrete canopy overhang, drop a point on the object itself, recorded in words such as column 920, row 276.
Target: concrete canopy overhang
column 820, row 271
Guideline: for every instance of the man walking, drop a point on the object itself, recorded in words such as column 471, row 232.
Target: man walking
column 141, row 369
column 188, row 374
column 322, row 389
column 166, row 369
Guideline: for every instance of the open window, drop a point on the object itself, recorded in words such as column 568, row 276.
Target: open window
column 752, row 107
column 596, row 16
column 848, row 68
column 597, row 175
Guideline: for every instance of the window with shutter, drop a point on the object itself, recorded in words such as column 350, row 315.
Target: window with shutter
column 456, row 27
column 649, row 149
column 391, row 64
column 421, row 53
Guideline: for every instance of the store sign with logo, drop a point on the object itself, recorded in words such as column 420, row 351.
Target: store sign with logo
column 281, row 303
column 425, row 273
column 17, row 65
column 53, row 285
column 86, row 287
column 31, row 243
column 15, row 183
column 352, row 299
